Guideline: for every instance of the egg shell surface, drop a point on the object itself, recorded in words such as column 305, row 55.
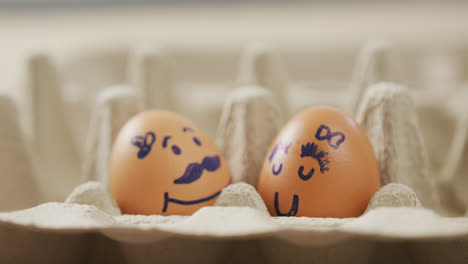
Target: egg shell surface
column 321, row 164
column 162, row 164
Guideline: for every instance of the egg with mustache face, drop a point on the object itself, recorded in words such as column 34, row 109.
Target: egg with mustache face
column 162, row 164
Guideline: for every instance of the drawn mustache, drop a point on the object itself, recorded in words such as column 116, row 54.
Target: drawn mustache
column 195, row 170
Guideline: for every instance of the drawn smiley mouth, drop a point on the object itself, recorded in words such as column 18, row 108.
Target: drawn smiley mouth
column 192, row 173
column 294, row 206
column 168, row 199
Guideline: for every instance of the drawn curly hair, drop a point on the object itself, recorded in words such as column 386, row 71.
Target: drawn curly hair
column 311, row 150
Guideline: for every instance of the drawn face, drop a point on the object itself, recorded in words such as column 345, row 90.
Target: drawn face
column 308, row 150
column 172, row 167
column 309, row 169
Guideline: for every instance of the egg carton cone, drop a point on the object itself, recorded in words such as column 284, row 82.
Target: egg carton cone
column 260, row 65
column 251, row 118
column 455, row 196
column 390, row 120
column 51, row 139
column 19, row 188
column 149, row 73
column 405, row 221
column 114, row 107
column 378, row 61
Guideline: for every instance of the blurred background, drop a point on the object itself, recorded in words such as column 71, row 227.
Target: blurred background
column 58, row 56
column 315, row 43
column 316, row 40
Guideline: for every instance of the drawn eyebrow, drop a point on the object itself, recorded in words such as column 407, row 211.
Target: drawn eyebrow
column 286, row 148
column 166, row 138
column 197, row 141
column 187, row 129
column 281, row 146
column 310, row 150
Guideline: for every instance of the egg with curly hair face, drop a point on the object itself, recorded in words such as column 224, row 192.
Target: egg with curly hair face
column 321, row 164
column 163, row 164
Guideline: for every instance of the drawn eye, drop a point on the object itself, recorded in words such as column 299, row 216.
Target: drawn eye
column 300, row 172
column 176, row 150
column 197, row 141
column 276, row 171
column 144, row 144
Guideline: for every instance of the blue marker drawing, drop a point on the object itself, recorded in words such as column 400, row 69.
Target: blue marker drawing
column 175, row 149
column 294, row 206
column 144, row 144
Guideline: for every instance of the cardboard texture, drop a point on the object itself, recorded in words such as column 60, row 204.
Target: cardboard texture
column 416, row 217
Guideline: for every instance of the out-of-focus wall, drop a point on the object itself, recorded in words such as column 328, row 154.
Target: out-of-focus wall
column 316, row 41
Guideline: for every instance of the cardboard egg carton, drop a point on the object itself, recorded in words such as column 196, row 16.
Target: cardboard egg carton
column 59, row 180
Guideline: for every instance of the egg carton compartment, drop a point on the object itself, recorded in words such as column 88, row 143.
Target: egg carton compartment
column 59, row 179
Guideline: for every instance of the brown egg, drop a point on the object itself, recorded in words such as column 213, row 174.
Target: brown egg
column 162, row 164
column 320, row 165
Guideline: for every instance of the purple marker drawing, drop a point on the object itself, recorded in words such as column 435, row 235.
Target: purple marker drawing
column 329, row 136
column 176, row 150
column 311, row 150
column 197, row 141
column 164, row 143
column 185, row 129
column 276, row 172
column 195, row 170
column 280, row 146
column 144, row 144
column 300, row 172
column 292, row 210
